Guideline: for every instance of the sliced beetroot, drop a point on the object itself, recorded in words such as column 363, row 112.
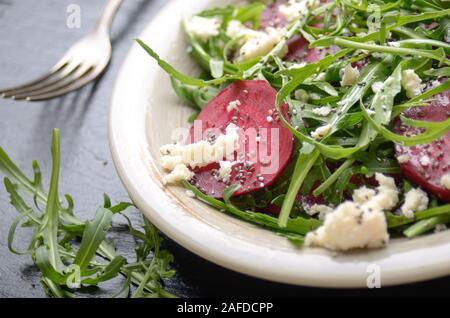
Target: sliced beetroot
column 426, row 164
column 256, row 110
column 271, row 16
column 307, row 200
column 298, row 51
column 271, row 209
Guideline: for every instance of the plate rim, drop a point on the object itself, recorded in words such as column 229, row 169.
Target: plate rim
column 222, row 257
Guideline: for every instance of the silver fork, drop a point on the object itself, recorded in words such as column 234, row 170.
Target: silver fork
column 81, row 64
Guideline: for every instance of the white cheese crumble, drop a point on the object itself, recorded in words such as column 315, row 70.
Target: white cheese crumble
column 377, row 87
column 261, row 44
column 445, row 181
column 415, row 200
column 256, row 43
column 403, row 158
column 224, row 173
column 203, row 28
column 179, row 173
column 322, row 111
column 321, row 132
column 236, row 29
column 269, row 119
column 321, row 76
column 411, row 83
column 371, row 112
column 394, row 44
column 350, row 75
column 442, row 100
column 358, row 225
column 233, row 105
column 320, row 209
column 363, row 195
column 295, row 9
column 198, row 154
column 425, row 161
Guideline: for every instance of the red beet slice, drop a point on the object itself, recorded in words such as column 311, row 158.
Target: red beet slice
column 271, row 16
column 429, row 162
column 298, row 51
column 272, row 209
column 309, row 199
column 257, row 100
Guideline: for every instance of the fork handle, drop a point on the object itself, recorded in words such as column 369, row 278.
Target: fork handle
column 106, row 19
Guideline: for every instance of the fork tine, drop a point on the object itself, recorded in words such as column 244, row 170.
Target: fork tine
column 53, row 71
column 60, row 75
column 70, row 82
column 74, row 86
column 62, row 81
column 94, row 74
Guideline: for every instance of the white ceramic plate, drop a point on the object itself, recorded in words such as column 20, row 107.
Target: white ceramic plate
column 143, row 114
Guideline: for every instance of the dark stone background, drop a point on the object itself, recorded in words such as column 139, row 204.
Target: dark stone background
column 33, row 36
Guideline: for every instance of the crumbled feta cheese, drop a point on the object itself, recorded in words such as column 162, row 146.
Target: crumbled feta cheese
column 394, row 44
column 445, row 181
column 434, row 84
column 403, row 158
column 387, row 194
column 190, row 194
column 350, row 227
column 269, row 119
column 363, row 195
column 320, row 209
column 411, row 82
column 322, row 111
column 203, row 28
column 295, row 9
column 377, row 87
column 321, row 132
column 371, row 112
column 201, row 153
column 321, row 76
column 233, row 105
column 350, row 75
column 358, row 225
column 425, row 161
column 301, row 95
column 236, row 29
column 442, row 100
column 415, row 200
column 179, row 173
column 255, row 43
column 224, row 173
column 261, row 44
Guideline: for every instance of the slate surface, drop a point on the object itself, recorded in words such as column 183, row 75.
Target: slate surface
column 33, row 35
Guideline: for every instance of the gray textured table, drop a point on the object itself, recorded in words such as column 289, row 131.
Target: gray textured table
column 33, row 36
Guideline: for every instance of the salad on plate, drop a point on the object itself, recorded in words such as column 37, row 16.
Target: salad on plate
column 326, row 122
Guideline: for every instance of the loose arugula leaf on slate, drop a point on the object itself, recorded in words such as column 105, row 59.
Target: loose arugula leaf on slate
column 65, row 266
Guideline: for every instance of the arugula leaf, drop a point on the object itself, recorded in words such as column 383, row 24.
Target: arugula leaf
column 297, row 226
column 64, row 266
column 94, row 234
column 185, row 79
